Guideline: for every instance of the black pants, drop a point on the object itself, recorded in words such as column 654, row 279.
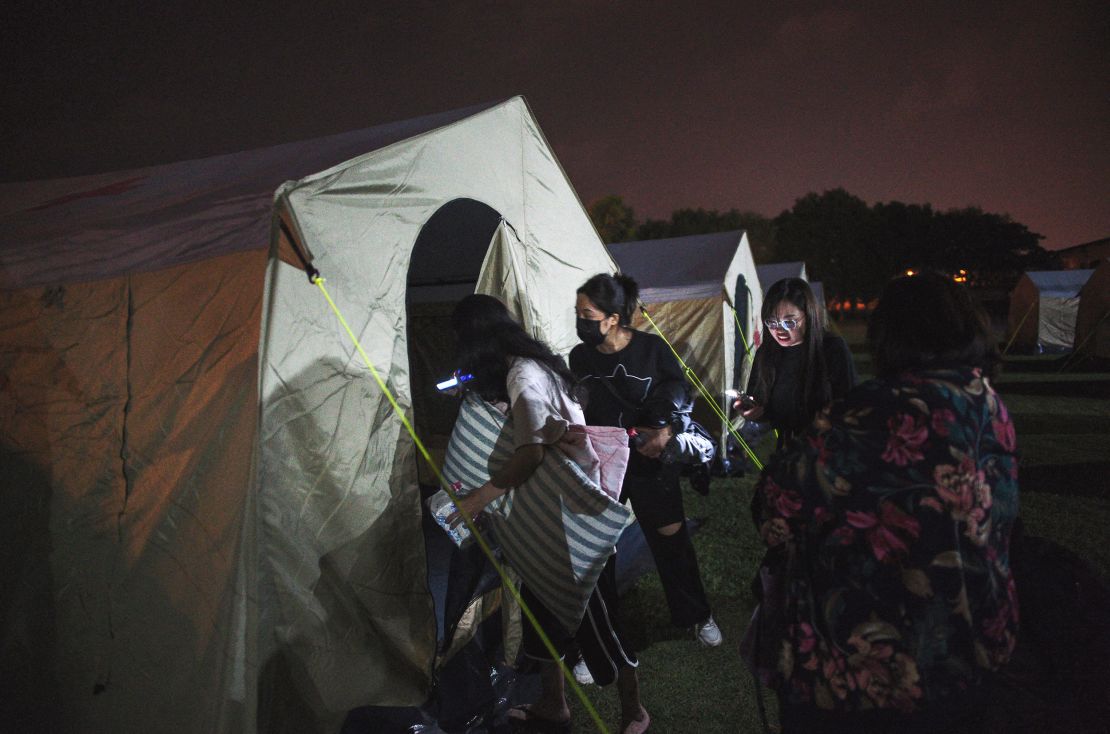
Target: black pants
column 599, row 638
column 657, row 501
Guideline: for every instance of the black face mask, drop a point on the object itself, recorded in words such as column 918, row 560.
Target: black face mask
column 589, row 332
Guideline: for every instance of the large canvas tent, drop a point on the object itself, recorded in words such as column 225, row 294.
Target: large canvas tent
column 703, row 292
column 1092, row 322
column 205, row 532
column 1043, row 309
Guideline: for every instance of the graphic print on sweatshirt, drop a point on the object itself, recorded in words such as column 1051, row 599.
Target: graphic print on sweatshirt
column 632, row 388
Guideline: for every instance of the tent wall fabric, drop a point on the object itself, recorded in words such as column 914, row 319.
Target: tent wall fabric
column 128, row 406
column 1092, row 323
column 342, row 564
column 690, row 286
column 1044, row 305
column 150, row 564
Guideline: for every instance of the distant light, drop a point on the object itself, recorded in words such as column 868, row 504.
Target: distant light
column 911, row 271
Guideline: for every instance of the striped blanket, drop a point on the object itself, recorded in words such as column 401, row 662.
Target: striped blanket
column 560, row 527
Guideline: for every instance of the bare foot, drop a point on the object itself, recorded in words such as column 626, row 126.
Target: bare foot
column 637, row 725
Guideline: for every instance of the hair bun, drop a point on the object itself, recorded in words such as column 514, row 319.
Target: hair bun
column 631, row 290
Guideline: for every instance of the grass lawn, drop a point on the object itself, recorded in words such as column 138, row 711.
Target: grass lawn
column 1063, row 427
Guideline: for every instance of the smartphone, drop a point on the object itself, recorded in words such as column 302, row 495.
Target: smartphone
column 453, row 382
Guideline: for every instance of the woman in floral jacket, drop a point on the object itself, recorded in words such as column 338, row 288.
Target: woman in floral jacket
column 893, row 514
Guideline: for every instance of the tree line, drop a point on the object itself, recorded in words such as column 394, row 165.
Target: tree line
column 852, row 247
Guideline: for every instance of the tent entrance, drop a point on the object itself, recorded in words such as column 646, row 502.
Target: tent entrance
column 446, row 262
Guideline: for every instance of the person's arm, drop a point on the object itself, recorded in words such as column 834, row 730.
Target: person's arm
column 517, row 470
column 755, row 411
column 668, row 395
column 841, row 367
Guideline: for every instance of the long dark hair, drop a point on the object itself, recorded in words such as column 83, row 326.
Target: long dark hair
column 926, row 320
column 815, row 391
column 617, row 294
column 488, row 336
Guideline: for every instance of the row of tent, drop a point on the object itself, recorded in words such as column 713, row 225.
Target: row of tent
column 1062, row 310
column 211, row 516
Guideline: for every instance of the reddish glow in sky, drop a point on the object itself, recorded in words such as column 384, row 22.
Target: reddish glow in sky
column 1003, row 105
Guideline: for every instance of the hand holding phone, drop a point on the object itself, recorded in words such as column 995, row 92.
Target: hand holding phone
column 452, row 384
column 749, row 407
column 742, row 401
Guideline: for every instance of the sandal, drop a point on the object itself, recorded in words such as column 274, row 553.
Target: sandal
column 526, row 721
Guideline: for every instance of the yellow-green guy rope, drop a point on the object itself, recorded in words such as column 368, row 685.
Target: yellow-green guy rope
column 697, row 383
column 505, row 580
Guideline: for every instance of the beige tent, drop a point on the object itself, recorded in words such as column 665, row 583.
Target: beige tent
column 1043, row 309
column 1092, row 324
column 209, row 533
column 704, row 294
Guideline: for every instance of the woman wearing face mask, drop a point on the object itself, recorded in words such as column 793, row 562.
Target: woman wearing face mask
column 632, row 380
column 798, row 368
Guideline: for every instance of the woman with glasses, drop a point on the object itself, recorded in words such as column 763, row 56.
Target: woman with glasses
column 799, row 368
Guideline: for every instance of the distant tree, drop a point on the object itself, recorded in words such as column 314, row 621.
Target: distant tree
column 907, row 237
column 852, row 247
column 836, row 234
column 993, row 248
column 615, row 221
column 762, row 236
column 855, row 249
column 653, row 229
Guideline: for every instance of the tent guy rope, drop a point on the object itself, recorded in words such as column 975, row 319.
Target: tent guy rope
column 697, row 383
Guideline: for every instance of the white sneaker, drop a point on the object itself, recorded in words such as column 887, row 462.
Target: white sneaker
column 582, row 673
column 708, row 633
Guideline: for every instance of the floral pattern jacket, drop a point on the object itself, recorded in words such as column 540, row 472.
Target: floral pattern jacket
column 896, row 509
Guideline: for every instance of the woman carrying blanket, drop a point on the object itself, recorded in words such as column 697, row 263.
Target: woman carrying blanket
column 512, row 368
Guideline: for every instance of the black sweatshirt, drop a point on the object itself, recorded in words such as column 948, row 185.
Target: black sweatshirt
column 783, row 407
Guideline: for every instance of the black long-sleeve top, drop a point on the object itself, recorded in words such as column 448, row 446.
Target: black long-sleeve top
column 784, row 408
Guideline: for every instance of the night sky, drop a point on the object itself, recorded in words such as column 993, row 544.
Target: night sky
column 1003, row 105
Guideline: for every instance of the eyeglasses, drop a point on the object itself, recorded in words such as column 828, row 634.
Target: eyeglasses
column 785, row 324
